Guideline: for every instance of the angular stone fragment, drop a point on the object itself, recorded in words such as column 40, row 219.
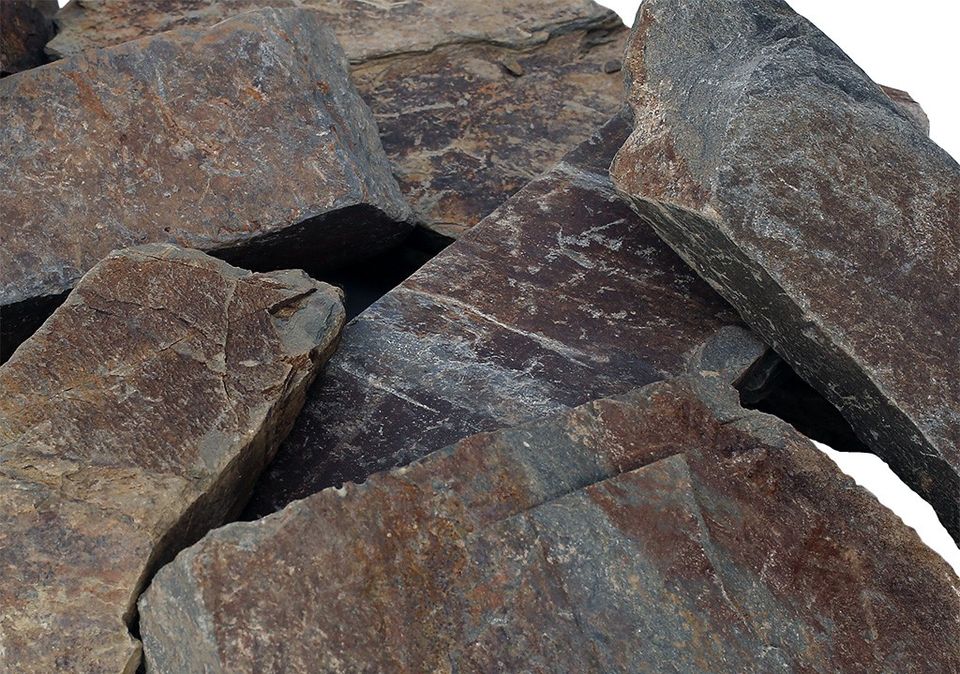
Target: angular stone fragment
column 909, row 106
column 247, row 140
column 817, row 207
column 25, row 27
column 561, row 296
column 667, row 530
column 135, row 420
column 473, row 99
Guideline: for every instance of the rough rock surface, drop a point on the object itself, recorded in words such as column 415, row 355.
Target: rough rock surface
column 135, row 420
column 910, row 106
column 817, row 207
column 25, row 27
column 668, row 530
column 559, row 297
column 473, row 99
column 248, row 137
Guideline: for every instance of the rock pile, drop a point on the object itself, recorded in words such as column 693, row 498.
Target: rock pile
column 534, row 453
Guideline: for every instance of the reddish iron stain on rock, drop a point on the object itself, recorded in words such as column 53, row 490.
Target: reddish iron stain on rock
column 666, row 530
column 561, row 296
column 824, row 215
column 136, row 419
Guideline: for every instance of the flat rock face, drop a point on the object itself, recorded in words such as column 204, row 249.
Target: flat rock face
column 816, row 207
column 135, row 420
column 400, row 26
column 473, row 99
column 561, row 296
column 667, row 530
column 25, row 27
column 244, row 138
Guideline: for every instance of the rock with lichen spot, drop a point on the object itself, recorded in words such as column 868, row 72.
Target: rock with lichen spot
column 817, row 207
column 136, row 419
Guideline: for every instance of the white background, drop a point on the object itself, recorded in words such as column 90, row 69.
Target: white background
column 912, row 46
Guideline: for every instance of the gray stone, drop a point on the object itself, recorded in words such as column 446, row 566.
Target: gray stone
column 817, row 207
column 135, row 420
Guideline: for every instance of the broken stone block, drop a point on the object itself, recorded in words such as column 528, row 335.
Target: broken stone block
column 246, row 140
column 817, row 207
column 909, row 106
column 25, row 27
column 136, row 419
column 666, row 530
column 561, row 296
column 473, row 99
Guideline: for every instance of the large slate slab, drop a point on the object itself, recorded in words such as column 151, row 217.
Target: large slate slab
column 136, row 419
column 817, row 207
column 473, row 99
column 668, row 530
column 247, row 139
column 25, row 28
column 561, row 296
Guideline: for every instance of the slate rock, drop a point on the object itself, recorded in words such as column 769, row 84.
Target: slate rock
column 667, row 530
column 247, row 140
column 25, row 28
column 473, row 99
column 561, row 296
column 817, row 207
column 136, row 419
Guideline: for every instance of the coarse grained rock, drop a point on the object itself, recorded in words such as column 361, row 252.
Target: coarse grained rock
column 25, row 28
column 666, row 530
column 473, row 99
column 817, row 207
column 247, row 140
column 133, row 421
column 561, row 296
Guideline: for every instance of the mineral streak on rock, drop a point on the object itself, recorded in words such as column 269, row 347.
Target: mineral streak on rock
column 25, row 27
column 561, row 296
column 667, row 530
column 135, row 420
column 473, row 99
column 246, row 139
column 818, row 208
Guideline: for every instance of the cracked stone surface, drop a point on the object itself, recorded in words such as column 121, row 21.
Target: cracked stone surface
column 473, row 99
column 25, row 27
column 666, row 530
column 134, row 421
column 817, row 207
column 561, row 296
column 246, row 139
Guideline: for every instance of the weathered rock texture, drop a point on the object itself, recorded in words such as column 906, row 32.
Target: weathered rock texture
column 668, row 530
column 801, row 192
column 910, row 106
column 25, row 27
column 248, row 137
column 559, row 297
column 473, row 99
column 136, row 419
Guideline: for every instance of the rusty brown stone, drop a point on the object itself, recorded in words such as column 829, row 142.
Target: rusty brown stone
column 247, row 139
column 913, row 109
column 817, row 207
column 136, row 419
column 561, row 296
column 25, row 27
column 667, row 530
column 473, row 99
